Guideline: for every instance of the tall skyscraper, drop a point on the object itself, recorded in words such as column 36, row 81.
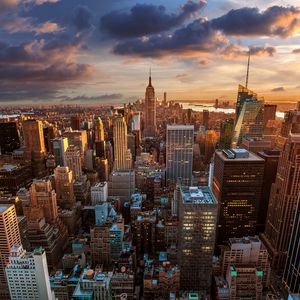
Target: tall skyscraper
column 27, row 274
column 33, row 136
column 150, row 111
column 9, row 137
column 205, row 118
column 64, row 187
column 198, row 212
column 73, row 161
column 123, row 158
column 60, row 146
column 179, row 153
column 237, row 183
column 243, row 94
column 283, row 201
column 9, row 236
column 226, row 134
column 291, row 276
column 98, row 130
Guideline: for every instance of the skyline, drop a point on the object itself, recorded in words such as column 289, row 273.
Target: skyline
column 72, row 51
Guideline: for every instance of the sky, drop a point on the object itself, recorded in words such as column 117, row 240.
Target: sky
column 100, row 51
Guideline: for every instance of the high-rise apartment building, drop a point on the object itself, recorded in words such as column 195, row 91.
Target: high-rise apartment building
column 150, row 111
column 73, row 161
column 198, row 212
column 27, row 274
column 9, row 236
column 291, row 276
column 179, row 153
column 123, row 158
column 237, row 183
column 283, row 202
column 60, row 146
column 64, row 187
column 9, row 137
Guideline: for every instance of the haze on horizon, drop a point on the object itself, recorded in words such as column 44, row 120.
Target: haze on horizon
column 75, row 51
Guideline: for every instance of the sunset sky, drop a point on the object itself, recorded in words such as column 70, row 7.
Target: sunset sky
column 72, row 51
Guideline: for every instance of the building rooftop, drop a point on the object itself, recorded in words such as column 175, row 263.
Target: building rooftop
column 238, row 155
column 180, row 127
column 8, row 167
column 4, row 207
column 197, row 195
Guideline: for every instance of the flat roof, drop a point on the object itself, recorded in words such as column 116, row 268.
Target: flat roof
column 251, row 157
column 8, row 167
column 180, row 127
column 198, row 195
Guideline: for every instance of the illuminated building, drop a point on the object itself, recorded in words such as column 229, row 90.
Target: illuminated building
column 237, row 183
column 291, row 123
column 226, row 134
column 211, row 139
column 27, row 274
column 179, row 153
column 282, row 203
column 9, row 236
column 64, row 187
column 77, row 138
column 9, row 137
column 73, row 161
column 60, row 146
column 198, row 212
column 99, row 193
column 291, row 276
column 243, row 94
column 98, row 130
column 123, row 158
column 150, row 111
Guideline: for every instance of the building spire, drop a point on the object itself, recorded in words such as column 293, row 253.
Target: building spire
column 150, row 83
column 248, row 67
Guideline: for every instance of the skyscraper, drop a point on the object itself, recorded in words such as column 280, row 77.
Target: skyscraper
column 291, row 276
column 283, row 201
column 60, row 146
column 198, row 212
column 237, row 183
column 27, row 274
column 123, row 159
column 98, row 130
column 205, row 118
column 226, row 134
column 9, row 236
column 9, row 137
column 269, row 113
column 73, row 161
column 179, row 152
column 150, row 111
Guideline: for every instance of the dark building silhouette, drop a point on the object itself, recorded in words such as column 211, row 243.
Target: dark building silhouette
column 9, row 137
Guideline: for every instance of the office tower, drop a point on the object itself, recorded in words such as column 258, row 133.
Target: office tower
column 64, row 187
column 123, row 159
column 60, row 146
column 291, row 123
column 78, row 138
column 99, row 193
column 269, row 113
column 150, row 111
column 136, row 124
column 9, row 137
column 165, row 103
column 198, row 212
column 73, row 161
column 9, row 236
column 243, row 94
column 98, row 130
column 27, row 274
column 226, row 134
column 250, row 122
column 211, row 139
column 100, row 149
column 237, row 183
column 75, row 122
column 291, row 276
column 179, row 153
column 283, row 201
column 131, row 139
column 205, row 118
column 271, row 158
column 15, row 176
column 50, row 133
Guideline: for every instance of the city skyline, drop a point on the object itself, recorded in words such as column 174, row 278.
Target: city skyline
column 70, row 52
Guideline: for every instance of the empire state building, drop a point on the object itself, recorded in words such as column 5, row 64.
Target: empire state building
column 150, row 111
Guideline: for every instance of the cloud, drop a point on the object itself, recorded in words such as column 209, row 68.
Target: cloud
column 145, row 19
column 274, row 21
column 235, row 51
column 296, row 51
column 278, row 89
column 81, row 18
column 192, row 39
column 106, row 97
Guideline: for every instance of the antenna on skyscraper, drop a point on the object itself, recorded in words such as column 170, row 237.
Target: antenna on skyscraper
column 248, row 67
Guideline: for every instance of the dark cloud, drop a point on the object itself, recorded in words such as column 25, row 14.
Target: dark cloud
column 278, row 89
column 196, row 37
column 81, row 18
column 275, row 21
column 144, row 19
column 296, row 51
column 84, row 98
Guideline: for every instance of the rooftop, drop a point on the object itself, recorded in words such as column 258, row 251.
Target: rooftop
column 197, row 195
column 238, row 155
column 180, row 127
column 4, row 207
